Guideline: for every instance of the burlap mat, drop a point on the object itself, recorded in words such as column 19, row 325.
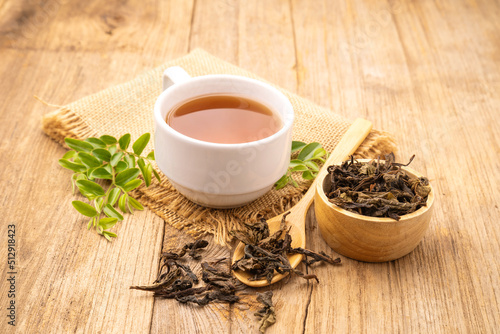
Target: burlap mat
column 128, row 108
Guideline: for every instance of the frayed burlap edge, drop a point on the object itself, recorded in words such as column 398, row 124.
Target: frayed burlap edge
column 185, row 215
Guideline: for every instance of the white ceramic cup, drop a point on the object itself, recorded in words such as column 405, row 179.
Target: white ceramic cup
column 220, row 175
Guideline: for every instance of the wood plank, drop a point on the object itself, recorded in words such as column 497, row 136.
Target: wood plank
column 266, row 42
column 156, row 29
column 215, row 28
column 267, row 46
column 68, row 279
column 215, row 33
column 99, row 299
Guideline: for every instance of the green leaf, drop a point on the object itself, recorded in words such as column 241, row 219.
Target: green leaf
column 132, row 185
column 80, row 177
column 141, row 163
column 89, row 224
column 146, row 171
column 295, row 162
column 112, row 149
column 102, row 173
column 151, row 155
column 113, row 196
column 108, row 168
column 89, row 160
column 116, row 158
column 102, row 154
column 90, row 187
column 84, row 208
column 122, row 203
column 157, row 175
column 135, row 203
column 308, row 151
column 308, row 175
column 312, row 165
column 107, row 222
column 297, row 145
column 126, row 176
column 147, row 177
column 318, row 153
column 78, row 145
column 73, row 183
column 124, row 141
column 89, row 173
column 69, row 155
column 130, row 208
column 96, row 142
column 140, row 144
column 130, row 160
column 111, row 234
column 75, row 167
column 99, row 201
column 89, row 196
column 111, row 212
column 109, row 140
column 282, row 182
column 299, row 168
column 108, row 235
column 121, row 166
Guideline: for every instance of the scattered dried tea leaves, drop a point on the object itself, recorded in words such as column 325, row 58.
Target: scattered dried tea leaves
column 266, row 314
column 376, row 188
column 219, row 286
column 176, row 280
column 266, row 254
column 192, row 247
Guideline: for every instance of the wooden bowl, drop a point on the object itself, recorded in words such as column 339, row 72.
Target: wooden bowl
column 367, row 238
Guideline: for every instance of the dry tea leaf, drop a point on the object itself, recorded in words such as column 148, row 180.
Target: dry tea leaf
column 376, row 188
column 266, row 314
column 265, row 254
column 176, row 280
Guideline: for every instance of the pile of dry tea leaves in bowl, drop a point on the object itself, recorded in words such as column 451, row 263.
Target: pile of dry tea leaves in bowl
column 376, row 188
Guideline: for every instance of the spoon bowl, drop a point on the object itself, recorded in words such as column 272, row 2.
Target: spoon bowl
column 298, row 240
column 353, row 137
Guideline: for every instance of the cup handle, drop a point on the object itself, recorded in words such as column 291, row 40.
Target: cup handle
column 174, row 75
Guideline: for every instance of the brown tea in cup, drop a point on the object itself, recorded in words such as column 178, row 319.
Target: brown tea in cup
column 224, row 119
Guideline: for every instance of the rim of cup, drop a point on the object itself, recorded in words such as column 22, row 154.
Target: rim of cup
column 287, row 119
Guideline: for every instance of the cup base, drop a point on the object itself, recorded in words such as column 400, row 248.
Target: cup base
column 220, row 201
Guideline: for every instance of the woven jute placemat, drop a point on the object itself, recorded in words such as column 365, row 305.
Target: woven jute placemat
column 128, row 108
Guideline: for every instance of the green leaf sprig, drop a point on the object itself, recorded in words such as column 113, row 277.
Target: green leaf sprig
column 307, row 160
column 107, row 158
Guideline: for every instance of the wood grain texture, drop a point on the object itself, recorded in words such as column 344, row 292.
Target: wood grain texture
column 427, row 71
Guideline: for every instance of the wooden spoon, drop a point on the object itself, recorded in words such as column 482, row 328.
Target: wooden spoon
column 351, row 140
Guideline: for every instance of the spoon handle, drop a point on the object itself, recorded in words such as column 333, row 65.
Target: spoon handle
column 347, row 145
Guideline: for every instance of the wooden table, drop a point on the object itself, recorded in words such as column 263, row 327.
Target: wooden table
column 427, row 71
